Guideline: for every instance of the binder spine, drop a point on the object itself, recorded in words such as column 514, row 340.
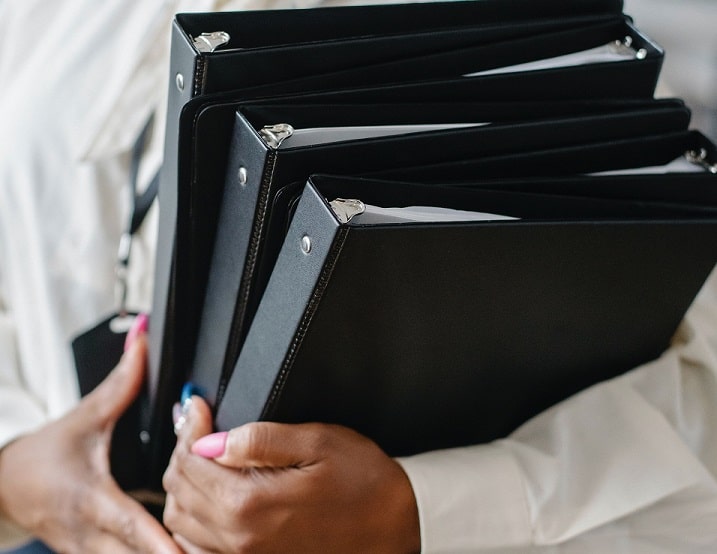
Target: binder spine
column 255, row 211
column 168, row 280
column 205, row 43
column 311, row 308
column 181, row 64
column 200, row 66
column 248, row 176
column 238, row 325
column 303, row 271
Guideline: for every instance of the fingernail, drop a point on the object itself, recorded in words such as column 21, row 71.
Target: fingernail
column 190, row 389
column 179, row 423
column 211, row 446
column 139, row 327
column 180, row 414
column 186, row 405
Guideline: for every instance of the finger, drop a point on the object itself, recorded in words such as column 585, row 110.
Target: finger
column 200, row 485
column 113, row 396
column 190, row 548
column 105, row 542
column 197, row 422
column 278, row 445
column 139, row 327
column 190, row 479
column 126, row 519
column 193, row 420
column 191, row 532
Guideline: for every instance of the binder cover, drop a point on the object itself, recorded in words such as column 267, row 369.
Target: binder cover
column 251, row 218
column 296, row 51
column 365, row 55
column 425, row 336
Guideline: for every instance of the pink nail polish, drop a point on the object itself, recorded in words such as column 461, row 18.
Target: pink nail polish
column 211, row 446
column 140, row 325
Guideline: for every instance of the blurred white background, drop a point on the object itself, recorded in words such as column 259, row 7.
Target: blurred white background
column 687, row 30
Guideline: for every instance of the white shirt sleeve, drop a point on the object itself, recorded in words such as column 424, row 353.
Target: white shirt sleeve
column 638, row 452
column 20, row 412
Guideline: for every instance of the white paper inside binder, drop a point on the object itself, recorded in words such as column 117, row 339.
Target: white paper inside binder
column 617, row 51
column 678, row 165
column 311, row 136
column 367, row 214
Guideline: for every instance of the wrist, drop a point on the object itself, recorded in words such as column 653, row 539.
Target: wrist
column 6, row 510
column 9, row 511
column 12, row 534
column 19, row 505
column 405, row 509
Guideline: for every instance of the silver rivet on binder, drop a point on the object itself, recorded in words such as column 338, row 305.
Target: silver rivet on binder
column 209, row 42
column 306, row 244
column 179, row 81
column 699, row 157
column 242, row 176
column 346, row 208
column 144, row 437
column 624, row 46
column 274, row 135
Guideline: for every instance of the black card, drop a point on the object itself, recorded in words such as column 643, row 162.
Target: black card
column 97, row 351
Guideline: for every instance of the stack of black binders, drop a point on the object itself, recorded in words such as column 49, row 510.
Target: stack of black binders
column 428, row 222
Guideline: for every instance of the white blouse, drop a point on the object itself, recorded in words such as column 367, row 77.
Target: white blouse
column 626, row 466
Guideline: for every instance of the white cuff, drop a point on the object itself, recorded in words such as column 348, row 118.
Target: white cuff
column 447, row 484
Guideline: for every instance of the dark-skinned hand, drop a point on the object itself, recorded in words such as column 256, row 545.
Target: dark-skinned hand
column 269, row 487
column 56, row 482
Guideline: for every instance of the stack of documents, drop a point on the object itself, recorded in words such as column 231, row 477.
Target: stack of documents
column 428, row 222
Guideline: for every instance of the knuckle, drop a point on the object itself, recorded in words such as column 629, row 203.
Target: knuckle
column 243, row 508
column 245, row 543
column 238, row 507
column 319, row 439
column 80, row 500
column 241, row 545
column 170, row 517
column 81, row 543
column 181, row 454
column 127, row 529
column 251, row 440
column 169, row 478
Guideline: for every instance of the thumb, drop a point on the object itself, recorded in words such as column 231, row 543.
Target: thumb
column 197, row 422
column 266, row 444
column 114, row 395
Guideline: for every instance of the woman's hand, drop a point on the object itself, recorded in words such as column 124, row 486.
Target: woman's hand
column 286, row 488
column 56, row 482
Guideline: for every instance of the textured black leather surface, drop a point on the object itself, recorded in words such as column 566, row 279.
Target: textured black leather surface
column 163, row 383
column 588, row 22
column 252, row 29
column 243, row 220
column 579, row 158
column 637, row 78
column 403, row 53
column 293, row 283
column 429, row 336
column 237, row 227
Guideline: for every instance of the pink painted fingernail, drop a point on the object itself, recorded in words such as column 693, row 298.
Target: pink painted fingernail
column 139, row 327
column 211, row 446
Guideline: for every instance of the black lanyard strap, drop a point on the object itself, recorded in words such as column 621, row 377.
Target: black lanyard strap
column 141, row 203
